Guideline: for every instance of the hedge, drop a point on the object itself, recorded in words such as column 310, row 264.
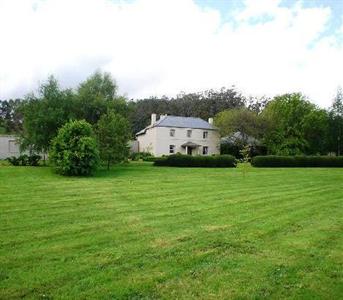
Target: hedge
column 24, row 160
column 272, row 161
column 179, row 160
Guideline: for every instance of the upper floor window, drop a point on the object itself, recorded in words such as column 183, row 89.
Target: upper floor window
column 189, row 133
column 205, row 150
column 172, row 132
column 205, row 134
column 171, row 149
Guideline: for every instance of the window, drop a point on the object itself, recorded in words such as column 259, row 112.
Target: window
column 171, row 149
column 205, row 134
column 13, row 146
column 205, row 150
column 172, row 132
column 189, row 133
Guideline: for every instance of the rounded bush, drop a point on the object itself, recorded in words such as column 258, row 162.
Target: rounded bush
column 74, row 151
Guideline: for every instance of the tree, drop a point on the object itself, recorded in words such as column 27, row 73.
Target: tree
column 337, row 106
column 294, row 126
column 336, row 123
column 113, row 131
column 96, row 96
column 44, row 114
column 11, row 118
column 74, row 150
column 238, row 120
column 316, row 131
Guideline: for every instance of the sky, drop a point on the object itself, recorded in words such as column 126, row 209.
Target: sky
column 163, row 47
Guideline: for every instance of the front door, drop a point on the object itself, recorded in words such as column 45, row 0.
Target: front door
column 189, row 150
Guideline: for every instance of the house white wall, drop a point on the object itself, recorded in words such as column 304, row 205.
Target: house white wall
column 9, row 146
column 157, row 140
column 147, row 141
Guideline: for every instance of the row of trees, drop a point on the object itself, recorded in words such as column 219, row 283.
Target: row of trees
column 38, row 117
column 44, row 113
column 288, row 125
column 202, row 105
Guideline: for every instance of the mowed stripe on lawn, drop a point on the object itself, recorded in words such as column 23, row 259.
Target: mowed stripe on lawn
column 142, row 231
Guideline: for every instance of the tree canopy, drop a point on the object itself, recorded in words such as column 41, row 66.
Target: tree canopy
column 202, row 105
column 241, row 120
column 95, row 96
column 294, row 125
column 44, row 114
column 287, row 124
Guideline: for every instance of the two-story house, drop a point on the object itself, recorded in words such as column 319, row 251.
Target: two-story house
column 185, row 135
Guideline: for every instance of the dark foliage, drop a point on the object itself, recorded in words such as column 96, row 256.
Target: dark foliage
column 272, row 161
column 203, row 105
column 11, row 117
column 179, row 160
column 234, row 150
column 24, row 160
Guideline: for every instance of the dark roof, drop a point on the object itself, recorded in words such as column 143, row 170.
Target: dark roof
column 180, row 122
column 183, row 122
column 190, row 145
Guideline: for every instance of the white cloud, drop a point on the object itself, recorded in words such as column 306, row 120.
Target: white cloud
column 155, row 47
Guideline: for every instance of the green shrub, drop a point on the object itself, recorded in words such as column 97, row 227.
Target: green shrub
column 145, row 156
column 235, row 150
column 34, row 159
column 179, row 160
column 74, row 151
column 24, row 160
column 4, row 163
column 272, row 161
column 150, row 158
column 14, row 161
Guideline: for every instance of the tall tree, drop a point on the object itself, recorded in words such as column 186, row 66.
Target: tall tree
column 238, row 120
column 294, row 125
column 336, row 123
column 113, row 131
column 11, row 118
column 44, row 114
column 96, row 95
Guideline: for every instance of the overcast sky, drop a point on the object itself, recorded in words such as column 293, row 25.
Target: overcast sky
column 162, row 47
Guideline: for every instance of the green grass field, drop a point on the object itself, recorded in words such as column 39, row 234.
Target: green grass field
column 140, row 231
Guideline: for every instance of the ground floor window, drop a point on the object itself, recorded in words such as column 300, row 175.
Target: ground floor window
column 205, row 150
column 13, row 146
column 171, row 149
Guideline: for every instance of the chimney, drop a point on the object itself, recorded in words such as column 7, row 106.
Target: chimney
column 210, row 120
column 153, row 119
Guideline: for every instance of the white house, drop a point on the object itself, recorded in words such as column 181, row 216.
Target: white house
column 185, row 135
column 9, row 146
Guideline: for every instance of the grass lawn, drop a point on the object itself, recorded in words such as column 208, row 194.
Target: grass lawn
column 140, row 231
